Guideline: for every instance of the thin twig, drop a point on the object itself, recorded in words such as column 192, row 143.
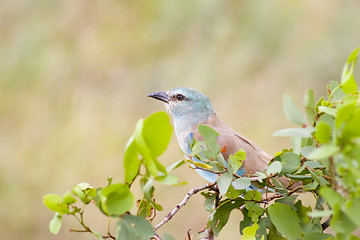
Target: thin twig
column 108, row 226
column 295, row 190
column 332, row 173
column 108, row 236
column 330, row 179
column 253, row 177
column 157, row 237
column 81, row 221
column 188, row 235
column 108, row 230
column 86, row 228
column 182, row 203
column 207, row 170
column 267, row 200
column 77, row 230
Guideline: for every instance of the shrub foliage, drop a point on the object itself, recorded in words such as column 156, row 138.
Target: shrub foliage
column 324, row 160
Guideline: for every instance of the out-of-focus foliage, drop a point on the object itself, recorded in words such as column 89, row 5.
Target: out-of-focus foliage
column 74, row 76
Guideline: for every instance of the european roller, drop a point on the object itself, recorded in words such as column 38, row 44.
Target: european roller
column 189, row 108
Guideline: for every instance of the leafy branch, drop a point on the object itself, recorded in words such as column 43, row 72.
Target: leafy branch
column 324, row 160
column 183, row 203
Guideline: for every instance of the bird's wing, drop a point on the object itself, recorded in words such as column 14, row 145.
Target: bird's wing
column 231, row 141
column 256, row 159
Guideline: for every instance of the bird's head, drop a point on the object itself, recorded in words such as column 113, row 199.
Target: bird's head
column 186, row 104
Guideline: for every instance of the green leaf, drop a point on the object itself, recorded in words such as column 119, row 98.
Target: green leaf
column 273, row 234
column 317, row 177
column 292, row 113
column 55, row 224
column 210, row 136
column 352, row 126
column 252, row 195
column 232, row 193
column 290, row 161
column 336, row 93
column 68, row 198
column 148, row 189
column 143, row 148
column 55, row 203
column 345, row 113
column 175, row 165
column 351, row 60
column 167, row 236
column 97, row 235
column 313, row 164
column 223, row 181
column 221, row 163
column 169, row 180
column 313, row 226
column 320, row 214
column 309, row 104
column 145, row 209
column 327, row 110
column 353, row 56
column 326, row 118
column 241, row 183
column 306, row 151
column 131, row 161
column 134, row 227
column 197, row 147
column 210, row 200
column 341, row 223
column 157, row 132
column 295, row 176
column 285, row 220
column 323, row 152
column 202, row 165
column 321, row 100
column 222, row 214
column 254, row 210
column 250, row 232
column 116, row 199
column 246, row 222
column 302, row 211
column 331, row 197
column 85, row 192
column 296, row 144
column 274, row 167
column 152, row 136
column 295, row 132
column 323, row 132
column 317, row 236
column 262, row 233
column 252, row 198
column 311, row 186
column 237, row 159
column 352, row 210
column 348, row 83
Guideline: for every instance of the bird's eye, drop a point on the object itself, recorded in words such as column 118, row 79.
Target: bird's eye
column 180, row 97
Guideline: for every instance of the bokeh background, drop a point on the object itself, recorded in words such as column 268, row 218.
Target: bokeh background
column 75, row 75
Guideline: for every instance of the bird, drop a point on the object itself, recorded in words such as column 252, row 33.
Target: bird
column 189, row 108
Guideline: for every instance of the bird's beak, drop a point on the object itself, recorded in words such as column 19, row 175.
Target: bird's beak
column 162, row 96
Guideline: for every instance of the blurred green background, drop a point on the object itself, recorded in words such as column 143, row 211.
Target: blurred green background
column 75, row 76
